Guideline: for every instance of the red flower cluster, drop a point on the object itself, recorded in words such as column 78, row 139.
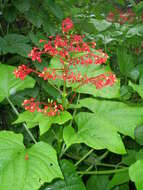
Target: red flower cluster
column 67, row 25
column 121, row 17
column 71, row 51
column 35, row 54
column 67, row 48
column 51, row 108
column 22, row 72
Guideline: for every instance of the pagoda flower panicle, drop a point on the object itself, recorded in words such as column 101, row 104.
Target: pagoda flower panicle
column 65, row 46
column 122, row 17
column 51, row 108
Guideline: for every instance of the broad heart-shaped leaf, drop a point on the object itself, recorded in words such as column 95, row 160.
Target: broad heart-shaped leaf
column 100, row 128
column 9, row 85
column 136, row 174
column 92, row 70
column 122, row 116
column 44, row 121
column 95, row 132
column 71, row 180
column 25, row 169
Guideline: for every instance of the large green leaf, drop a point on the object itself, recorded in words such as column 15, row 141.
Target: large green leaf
column 95, row 132
column 15, row 44
column 44, row 121
column 91, row 71
column 100, row 128
column 124, row 117
column 25, row 169
column 50, row 5
column 9, row 85
column 71, row 180
column 136, row 174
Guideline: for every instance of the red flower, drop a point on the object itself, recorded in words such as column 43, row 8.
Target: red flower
column 67, row 25
column 35, row 55
column 22, row 72
column 51, row 108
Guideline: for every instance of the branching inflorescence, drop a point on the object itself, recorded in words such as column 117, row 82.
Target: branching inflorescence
column 71, row 50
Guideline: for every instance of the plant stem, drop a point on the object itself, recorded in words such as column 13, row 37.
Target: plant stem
column 75, row 110
column 102, row 172
column 103, row 155
column 25, row 126
column 87, row 170
column 86, row 155
column 93, row 162
column 64, row 95
column 63, row 150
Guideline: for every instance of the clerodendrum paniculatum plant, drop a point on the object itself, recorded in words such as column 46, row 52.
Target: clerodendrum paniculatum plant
column 71, row 50
column 75, row 64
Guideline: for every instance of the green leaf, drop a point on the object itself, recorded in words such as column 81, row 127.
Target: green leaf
column 135, row 31
column 98, row 182
column 71, row 180
column 70, row 137
column 10, row 13
column 139, row 155
column 98, row 133
column 95, row 132
column 100, row 128
column 22, row 6
column 15, row 44
column 105, row 92
column 139, row 134
column 138, row 88
column 34, row 16
column 125, row 61
column 100, row 25
column 129, row 158
column 53, row 7
column 136, row 174
column 2, row 45
column 44, row 121
column 91, row 71
column 124, row 117
column 26, row 169
column 119, row 178
column 139, row 7
column 122, row 187
column 9, row 85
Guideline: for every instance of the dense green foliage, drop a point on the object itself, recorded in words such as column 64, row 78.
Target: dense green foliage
column 96, row 142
